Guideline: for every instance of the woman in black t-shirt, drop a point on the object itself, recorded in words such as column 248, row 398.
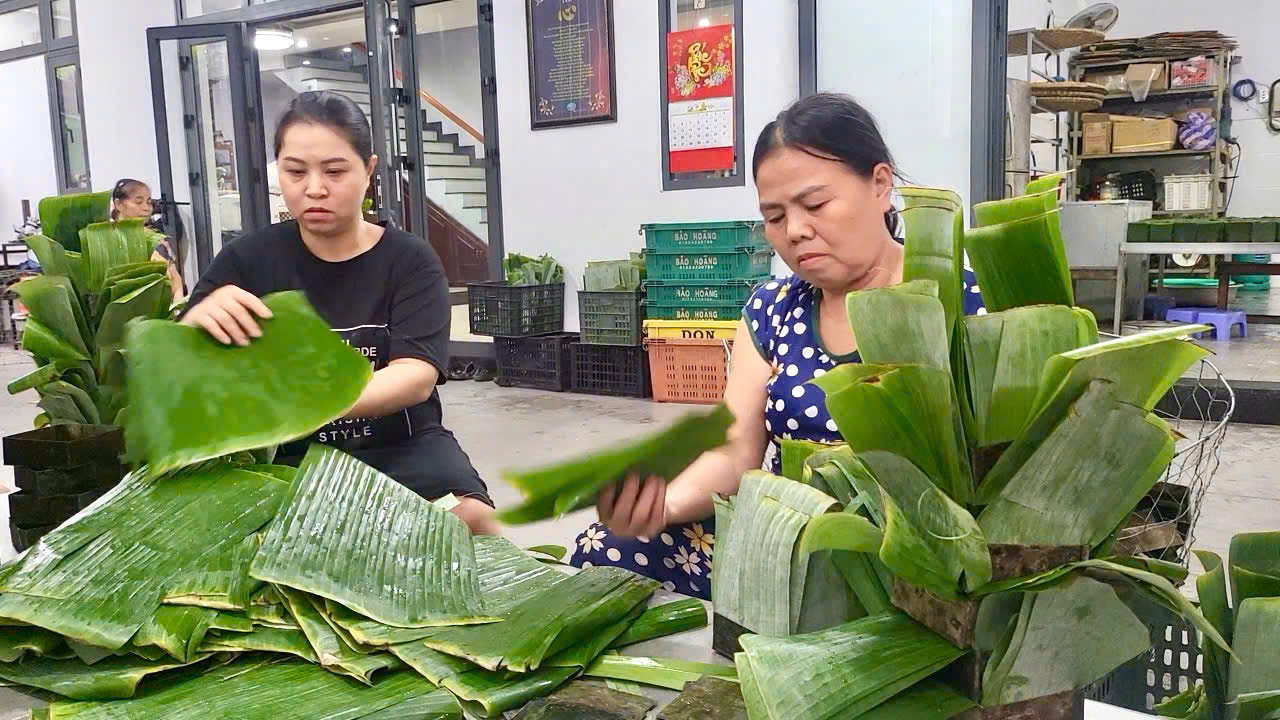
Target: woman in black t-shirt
column 382, row 289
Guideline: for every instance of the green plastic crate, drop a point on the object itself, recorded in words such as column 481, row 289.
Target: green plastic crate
column 1138, row 232
column 610, row 317
column 683, row 312
column 738, row 264
column 1265, row 230
column 696, row 294
column 706, row 236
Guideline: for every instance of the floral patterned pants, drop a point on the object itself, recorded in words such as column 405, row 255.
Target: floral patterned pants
column 679, row 557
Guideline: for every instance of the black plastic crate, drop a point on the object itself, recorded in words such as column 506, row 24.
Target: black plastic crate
column 1174, row 663
column 501, row 310
column 610, row 370
column 24, row 538
column 541, row 362
column 611, row 317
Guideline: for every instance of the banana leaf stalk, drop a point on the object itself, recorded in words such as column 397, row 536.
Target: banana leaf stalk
column 663, row 620
column 668, row 673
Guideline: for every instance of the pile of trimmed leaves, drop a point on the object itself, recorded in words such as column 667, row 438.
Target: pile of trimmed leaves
column 615, row 275
column 208, row 584
column 524, row 270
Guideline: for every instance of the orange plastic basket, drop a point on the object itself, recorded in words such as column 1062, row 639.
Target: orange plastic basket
column 688, row 371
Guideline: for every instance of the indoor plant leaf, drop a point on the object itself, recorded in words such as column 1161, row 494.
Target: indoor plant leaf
column 192, row 398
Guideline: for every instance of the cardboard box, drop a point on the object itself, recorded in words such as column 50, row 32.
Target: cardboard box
column 1138, row 74
column 1097, row 138
column 1143, row 135
column 1194, row 72
column 1113, row 80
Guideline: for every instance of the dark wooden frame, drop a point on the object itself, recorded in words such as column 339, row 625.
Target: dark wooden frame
column 534, row 122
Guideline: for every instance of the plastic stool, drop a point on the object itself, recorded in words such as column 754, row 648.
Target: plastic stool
column 1222, row 322
column 1182, row 315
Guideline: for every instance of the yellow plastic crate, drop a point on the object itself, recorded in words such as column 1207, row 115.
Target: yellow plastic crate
column 690, row 329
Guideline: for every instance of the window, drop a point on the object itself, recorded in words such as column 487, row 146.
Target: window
column 701, row 101
column 20, row 28
column 68, row 120
column 195, row 8
column 63, row 22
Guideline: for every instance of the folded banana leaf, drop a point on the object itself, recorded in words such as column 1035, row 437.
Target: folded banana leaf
column 584, row 652
column 838, row 673
column 111, row 678
column 69, row 401
column 1141, row 368
column 417, row 567
column 252, row 688
column 1006, row 355
column 929, row 700
column 17, row 642
column 669, row 673
column 133, row 271
column 179, row 631
column 110, row 244
column 1075, row 634
column 231, row 622
column 1211, row 590
column 53, row 303
column 917, row 334
column 489, row 694
column 663, row 620
column 1254, row 669
column 98, row 578
column 437, row 705
column 1046, row 183
column 192, row 398
column 220, row 580
column 1106, row 450
column 263, row 639
column 560, row 617
column 934, row 248
column 795, row 453
column 758, row 584
column 53, row 257
column 331, row 650
column 149, row 302
column 1048, row 248
column 568, row 486
column 63, row 216
column 1255, row 566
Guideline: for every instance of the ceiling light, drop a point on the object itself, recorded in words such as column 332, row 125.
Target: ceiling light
column 346, row 49
column 306, row 62
column 301, row 44
column 273, row 39
column 704, row 22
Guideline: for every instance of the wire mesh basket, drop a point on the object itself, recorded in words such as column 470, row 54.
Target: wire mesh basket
column 1198, row 408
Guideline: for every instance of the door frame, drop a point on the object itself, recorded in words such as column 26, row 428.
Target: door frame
column 245, row 126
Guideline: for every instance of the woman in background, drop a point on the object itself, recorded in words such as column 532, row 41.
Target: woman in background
column 132, row 199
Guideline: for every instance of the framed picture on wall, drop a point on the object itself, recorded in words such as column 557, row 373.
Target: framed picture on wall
column 571, row 71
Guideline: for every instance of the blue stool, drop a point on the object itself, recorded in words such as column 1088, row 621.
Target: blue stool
column 1222, row 322
column 1183, row 315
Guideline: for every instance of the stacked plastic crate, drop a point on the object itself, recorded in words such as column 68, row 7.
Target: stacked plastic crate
column 701, row 275
column 526, row 324
column 610, row 358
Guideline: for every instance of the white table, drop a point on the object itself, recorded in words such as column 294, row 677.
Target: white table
column 1170, row 248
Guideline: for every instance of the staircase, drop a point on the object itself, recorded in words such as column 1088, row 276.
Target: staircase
column 455, row 178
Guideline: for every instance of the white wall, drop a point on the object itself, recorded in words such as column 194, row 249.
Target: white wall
column 909, row 63
column 1254, row 23
column 27, row 170
column 581, row 193
column 117, row 87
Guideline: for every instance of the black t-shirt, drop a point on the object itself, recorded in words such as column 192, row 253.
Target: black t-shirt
column 390, row 302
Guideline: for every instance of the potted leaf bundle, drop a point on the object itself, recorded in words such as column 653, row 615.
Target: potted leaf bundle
column 96, row 277
column 955, row 557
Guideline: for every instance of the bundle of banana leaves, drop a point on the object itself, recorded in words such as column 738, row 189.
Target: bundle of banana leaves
column 79, row 308
column 1246, row 686
column 955, row 552
column 524, row 270
column 208, row 584
column 603, row 275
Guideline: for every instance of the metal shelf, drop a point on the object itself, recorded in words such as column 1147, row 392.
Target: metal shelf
column 1118, row 62
column 1206, row 212
column 1164, row 153
column 1172, row 92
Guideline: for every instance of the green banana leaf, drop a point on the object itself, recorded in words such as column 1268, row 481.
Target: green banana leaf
column 560, row 617
column 84, row 404
column 17, row 642
column 331, row 650
column 111, row 678
column 1142, row 368
column 218, row 580
column 758, row 583
column 105, row 553
column 62, row 217
column 1254, row 670
column 192, row 398
column 795, row 453
column 934, row 248
column 1046, row 183
column 584, row 652
column 668, row 673
column 43, row 342
column 568, row 486
column 179, row 631
column 555, row 552
column 1061, row 649
column 1105, row 450
column 1020, row 262
column 1255, row 566
column 425, row 553
column 431, row 664
column 928, row 700
column 61, row 408
column 150, row 301
column 438, row 705
column 133, row 271
column 663, row 620
column 1044, row 204
column 842, row 672
column 840, row 531
column 53, row 302
column 1160, row 590
column 1211, row 589
column 489, row 694
column 916, row 333
column 252, row 688
column 110, row 244
column 231, row 622
column 263, row 639
column 54, row 259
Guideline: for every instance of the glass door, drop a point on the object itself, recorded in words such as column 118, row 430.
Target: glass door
column 205, row 123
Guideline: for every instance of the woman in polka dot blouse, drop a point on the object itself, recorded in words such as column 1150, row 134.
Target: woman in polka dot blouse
column 825, row 181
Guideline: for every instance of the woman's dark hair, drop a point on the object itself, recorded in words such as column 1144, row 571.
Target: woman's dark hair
column 336, row 112
column 121, row 192
column 829, row 126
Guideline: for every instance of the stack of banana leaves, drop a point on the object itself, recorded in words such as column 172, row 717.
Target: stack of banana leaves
column 1246, row 686
column 967, row 521
column 209, row 584
column 78, row 310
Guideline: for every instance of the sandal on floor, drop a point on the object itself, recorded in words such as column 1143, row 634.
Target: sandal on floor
column 465, row 372
column 482, row 374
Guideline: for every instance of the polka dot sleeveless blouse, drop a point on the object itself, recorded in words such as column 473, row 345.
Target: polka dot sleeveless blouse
column 782, row 317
